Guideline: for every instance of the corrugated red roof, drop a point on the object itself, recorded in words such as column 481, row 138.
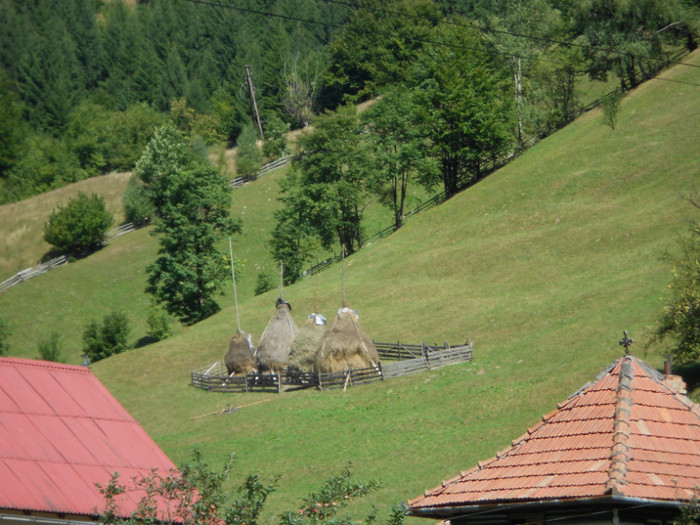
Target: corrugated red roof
column 630, row 434
column 61, row 432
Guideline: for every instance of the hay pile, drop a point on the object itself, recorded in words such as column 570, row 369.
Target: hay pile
column 345, row 345
column 240, row 358
column 305, row 345
column 276, row 341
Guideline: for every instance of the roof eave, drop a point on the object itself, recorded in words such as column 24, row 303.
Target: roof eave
column 465, row 510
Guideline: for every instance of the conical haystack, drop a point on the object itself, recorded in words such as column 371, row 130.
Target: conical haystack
column 303, row 354
column 276, row 341
column 345, row 345
column 240, row 358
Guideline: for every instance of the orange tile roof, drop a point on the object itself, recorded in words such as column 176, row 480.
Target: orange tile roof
column 629, row 435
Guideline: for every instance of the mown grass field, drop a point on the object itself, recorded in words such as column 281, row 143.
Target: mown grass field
column 542, row 265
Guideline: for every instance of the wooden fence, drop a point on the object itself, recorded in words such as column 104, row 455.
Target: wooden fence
column 404, row 359
column 267, row 168
column 34, row 271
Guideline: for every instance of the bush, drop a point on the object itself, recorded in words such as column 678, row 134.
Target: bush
column 138, row 207
column 275, row 145
column 159, row 323
column 4, row 336
column 249, row 158
column 263, row 284
column 110, row 338
column 79, row 228
column 50, row 349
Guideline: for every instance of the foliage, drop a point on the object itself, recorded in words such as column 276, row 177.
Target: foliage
column 275, row 145
column 690, row 513
column 323, row 506
column 263, row 284
column 627, row 38
column 190, row 270
column 611, row 107
column 374, row 50
column 681, row 317
column 109, row 338
column 165, row 155
column 249, row 158
column 400, row 151
column 294, row 238
column 79, row 228
column 469, row 115
column 4, row 336
column 138, row 207
column 196, row 495
column 50, row 349
column 159, row 323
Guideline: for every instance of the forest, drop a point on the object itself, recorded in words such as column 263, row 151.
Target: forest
column 461, row 83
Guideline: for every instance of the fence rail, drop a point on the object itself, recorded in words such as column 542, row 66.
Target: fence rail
column 34, row 271
column 267, row 168
column 214, row 378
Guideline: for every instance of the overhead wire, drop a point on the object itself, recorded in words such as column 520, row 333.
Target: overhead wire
column 270, row 14
column 505, row 32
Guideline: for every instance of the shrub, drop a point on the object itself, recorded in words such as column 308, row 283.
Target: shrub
column 263, row 284
column 110, row 338
column 4, row 336
column 50, row 349
column 79, row 228
column 159, row 323
column 249, row 158
column 138, row 207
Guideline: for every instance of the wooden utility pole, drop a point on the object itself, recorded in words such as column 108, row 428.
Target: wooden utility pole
column 249, row 80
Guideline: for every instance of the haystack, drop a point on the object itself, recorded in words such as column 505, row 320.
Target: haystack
column 345, row 346
column 240, row 358
column 305, row 345
column 276, row 340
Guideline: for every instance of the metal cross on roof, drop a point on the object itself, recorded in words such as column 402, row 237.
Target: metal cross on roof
column 626, row 342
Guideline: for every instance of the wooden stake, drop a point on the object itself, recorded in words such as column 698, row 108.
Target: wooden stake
column 342, row 269
column 233, row 277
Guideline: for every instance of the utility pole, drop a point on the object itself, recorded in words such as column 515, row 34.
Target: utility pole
column 249, row 80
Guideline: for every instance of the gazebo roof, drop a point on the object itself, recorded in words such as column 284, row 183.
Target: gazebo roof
column 61, row 433
column 631, row 436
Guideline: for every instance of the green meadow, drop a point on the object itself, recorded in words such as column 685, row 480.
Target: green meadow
column 542, row 265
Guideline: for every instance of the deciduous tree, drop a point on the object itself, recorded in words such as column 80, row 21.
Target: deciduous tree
column 470, row 114
column 79, row 228
column 400, row 151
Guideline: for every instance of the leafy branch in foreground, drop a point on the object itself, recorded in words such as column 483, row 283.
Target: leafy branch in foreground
column 681, row 317
column 195, row 495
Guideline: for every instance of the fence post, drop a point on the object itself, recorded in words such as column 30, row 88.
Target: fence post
column 424, row 351
column 381, row 372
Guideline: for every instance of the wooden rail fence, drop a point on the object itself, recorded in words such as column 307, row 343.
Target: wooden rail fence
column 267, row 168
column 404, row 359
column 34, row 271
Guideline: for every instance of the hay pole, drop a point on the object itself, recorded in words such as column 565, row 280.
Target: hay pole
column 233, row 278
column 342, row 273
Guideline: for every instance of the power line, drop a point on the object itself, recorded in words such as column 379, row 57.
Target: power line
column 270, row 14
column 509, row 33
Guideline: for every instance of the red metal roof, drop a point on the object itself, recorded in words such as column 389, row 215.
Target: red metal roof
column 631, row 434
column 61, row 432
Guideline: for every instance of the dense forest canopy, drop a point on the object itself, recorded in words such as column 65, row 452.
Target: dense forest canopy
column 84, row 83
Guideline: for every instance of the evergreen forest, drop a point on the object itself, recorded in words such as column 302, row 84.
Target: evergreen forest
column 84, row 83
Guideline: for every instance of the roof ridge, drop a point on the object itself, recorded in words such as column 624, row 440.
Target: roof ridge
column 38, row 363
column 620, row 454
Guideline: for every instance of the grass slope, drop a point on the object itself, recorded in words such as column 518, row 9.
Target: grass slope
column 543, row 265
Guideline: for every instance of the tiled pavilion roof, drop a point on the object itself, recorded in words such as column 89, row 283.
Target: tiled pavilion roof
column 631, row 435
column 61, row 432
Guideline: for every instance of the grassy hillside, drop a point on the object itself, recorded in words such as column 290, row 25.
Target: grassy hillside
column 543, row 265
